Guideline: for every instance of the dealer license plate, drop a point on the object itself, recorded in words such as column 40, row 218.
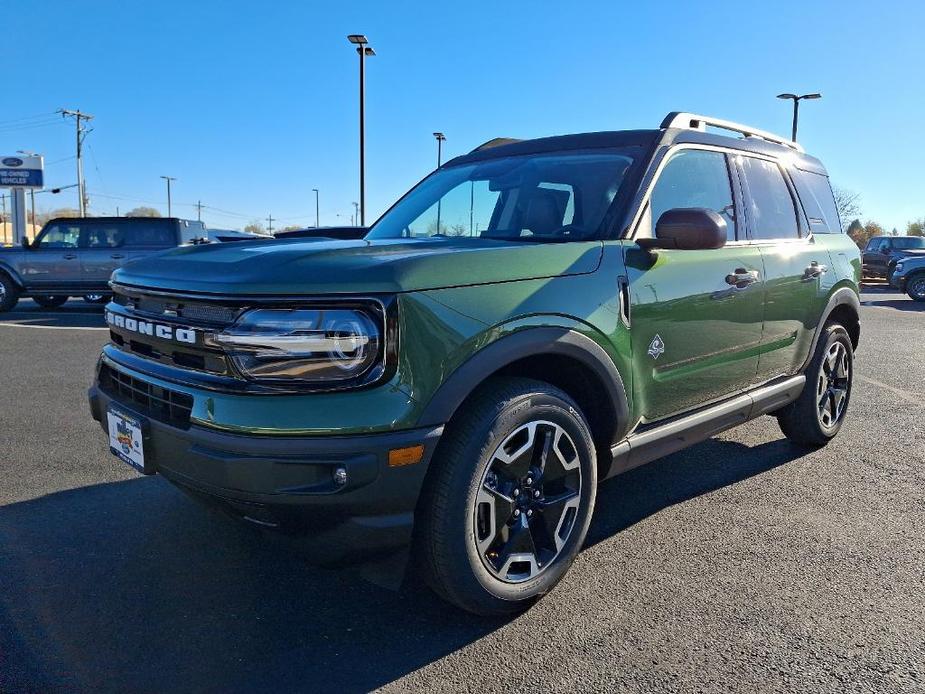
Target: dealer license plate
column 125, row 439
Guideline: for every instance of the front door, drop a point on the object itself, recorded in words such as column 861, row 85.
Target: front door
column 696, row 316
column 54, row 257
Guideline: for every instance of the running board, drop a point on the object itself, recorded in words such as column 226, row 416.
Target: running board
column 644, row 447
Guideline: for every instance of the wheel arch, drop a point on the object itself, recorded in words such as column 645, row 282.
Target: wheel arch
column 843, row 306
column 562, row 357
column 7, row 270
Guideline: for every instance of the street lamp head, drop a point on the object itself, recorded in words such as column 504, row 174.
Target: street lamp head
column 440, row 136
column 366, row 50
column 359, row 39
column 811, row 96
column 787, row 96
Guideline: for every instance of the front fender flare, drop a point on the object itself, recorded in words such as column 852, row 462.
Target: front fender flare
column 13, row 275
column 528, row 342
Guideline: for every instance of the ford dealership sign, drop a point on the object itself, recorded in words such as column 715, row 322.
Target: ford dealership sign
column 22, row 172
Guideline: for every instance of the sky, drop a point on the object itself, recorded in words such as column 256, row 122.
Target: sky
column 252, row 105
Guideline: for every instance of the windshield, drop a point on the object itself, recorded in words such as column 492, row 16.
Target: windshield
column 554, row 197
column 909, row 243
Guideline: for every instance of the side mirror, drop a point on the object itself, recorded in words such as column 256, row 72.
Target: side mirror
column 885, row 251
column 688, row 229
column 26, row 243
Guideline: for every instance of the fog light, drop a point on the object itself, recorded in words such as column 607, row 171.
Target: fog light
column 340, row 476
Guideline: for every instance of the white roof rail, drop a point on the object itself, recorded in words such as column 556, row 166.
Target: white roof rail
column 692, row 121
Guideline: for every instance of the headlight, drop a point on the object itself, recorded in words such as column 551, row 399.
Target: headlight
column 334, row 347
column 899, row 267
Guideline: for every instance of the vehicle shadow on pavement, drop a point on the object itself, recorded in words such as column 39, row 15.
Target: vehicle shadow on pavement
column 713, row 464
column 130, row 586
column 68, row 316
column 898, row 304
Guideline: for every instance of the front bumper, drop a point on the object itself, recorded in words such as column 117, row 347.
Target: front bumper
column 898, row 281
column 287, row 482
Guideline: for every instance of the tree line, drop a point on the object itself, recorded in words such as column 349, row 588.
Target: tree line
column 849, row 207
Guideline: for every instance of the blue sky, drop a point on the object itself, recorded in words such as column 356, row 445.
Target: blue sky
column 251, row 105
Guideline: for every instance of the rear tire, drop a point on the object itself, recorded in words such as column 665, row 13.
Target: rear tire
column 50, row 301
column 818, row 414
column 915, row 287
column 9, row 293
column 509, row 497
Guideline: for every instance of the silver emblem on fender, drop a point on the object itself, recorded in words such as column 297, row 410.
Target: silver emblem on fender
column 656, row 347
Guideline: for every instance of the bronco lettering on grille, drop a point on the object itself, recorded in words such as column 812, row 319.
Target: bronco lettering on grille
column 164, row 332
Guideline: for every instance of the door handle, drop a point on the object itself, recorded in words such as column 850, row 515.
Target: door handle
column 117, row 255
column 69, row 256
column 813, row 271
column 741, row 278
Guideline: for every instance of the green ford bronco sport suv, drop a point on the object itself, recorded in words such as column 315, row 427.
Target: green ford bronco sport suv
column 532, row 318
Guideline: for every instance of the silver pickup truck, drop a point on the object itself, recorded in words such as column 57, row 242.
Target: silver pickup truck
column 76, row 256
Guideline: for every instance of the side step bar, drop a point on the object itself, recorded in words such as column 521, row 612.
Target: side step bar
column 644, row 447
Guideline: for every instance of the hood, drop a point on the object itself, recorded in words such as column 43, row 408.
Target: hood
column 910, row 251
column 303, row 266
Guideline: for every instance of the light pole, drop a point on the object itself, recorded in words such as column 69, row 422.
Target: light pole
column 441, row 138
column 356, row 212
column 317, row 215
column 169, row 179
column 364, row 50
column 796, row 108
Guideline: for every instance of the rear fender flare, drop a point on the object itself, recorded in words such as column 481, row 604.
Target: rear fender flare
column 843, row 296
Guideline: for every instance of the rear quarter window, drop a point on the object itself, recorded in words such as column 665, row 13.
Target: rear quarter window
column 818, row 202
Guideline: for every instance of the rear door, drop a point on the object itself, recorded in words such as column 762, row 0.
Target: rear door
column 795, row 265
column 54, row 257
column 695, row 329
column 104, row 251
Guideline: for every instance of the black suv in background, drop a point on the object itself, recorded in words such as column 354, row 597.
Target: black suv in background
column 883, row 252
column 76, row 256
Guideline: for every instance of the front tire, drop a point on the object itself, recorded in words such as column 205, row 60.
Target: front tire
column 509, row 499
column 915, row 287
column 50, row 301
column 9, row 293
column 818, row 414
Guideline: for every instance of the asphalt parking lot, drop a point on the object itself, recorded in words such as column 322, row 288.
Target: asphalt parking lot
column 739, row 565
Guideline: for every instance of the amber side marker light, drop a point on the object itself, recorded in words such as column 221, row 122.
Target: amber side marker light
column 399, row 457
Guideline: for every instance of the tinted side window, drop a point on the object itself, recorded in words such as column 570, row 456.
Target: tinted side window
column 818, row 202
column 155, row 234
column 60, row 236
column 104, row 236
column 771, row 211
column 695, row 178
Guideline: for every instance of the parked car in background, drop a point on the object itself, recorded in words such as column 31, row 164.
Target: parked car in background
column 342, row 233
column 883, row 252
column 76, row 256
column 909, row 276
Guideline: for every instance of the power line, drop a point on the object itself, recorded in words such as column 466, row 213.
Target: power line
column 22, row 118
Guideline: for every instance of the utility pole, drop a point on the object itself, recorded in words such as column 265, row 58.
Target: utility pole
column 169, row 179
column 441, row 138
column 356, row 214
column 270, row 224
column 82, row 133
column 199, row 210
column 117, row 211
column 317, row 215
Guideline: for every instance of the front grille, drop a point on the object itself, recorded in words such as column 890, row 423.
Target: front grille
column 164, row 405
column 178, row 308
column 203, row 316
